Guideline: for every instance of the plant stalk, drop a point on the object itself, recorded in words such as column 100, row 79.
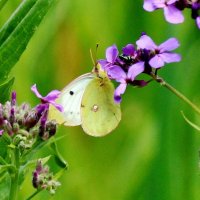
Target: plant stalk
column 15, row 176
column 176, row 92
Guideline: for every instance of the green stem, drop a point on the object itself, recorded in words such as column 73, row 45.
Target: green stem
column 34, row 194
column 176, row 92
column 15, row 176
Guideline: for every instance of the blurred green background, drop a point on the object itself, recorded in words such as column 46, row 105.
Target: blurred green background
column 153, row 154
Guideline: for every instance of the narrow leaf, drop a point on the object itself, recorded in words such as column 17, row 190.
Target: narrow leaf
column 4, row 142
column 15, row 19
column 58, row 157
column 2, row 3
column 16, row 42
column 5, row 89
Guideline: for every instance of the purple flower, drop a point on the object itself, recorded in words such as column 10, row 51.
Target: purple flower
column 162, row 52
column 172, row 14
column 117, row 73
column 111, row 56
column 128, row 50
column 49, row 99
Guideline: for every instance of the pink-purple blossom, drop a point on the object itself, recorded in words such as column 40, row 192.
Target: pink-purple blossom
column 173, row 9
column 49, row 98
column 118, row 74
column 125, row 68
column 171, row 13
column 111, row 56
column 162, row 52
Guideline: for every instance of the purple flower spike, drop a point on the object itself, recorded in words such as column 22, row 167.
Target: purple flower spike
column 172, row 14
column 162, row 52
column 50, row 98
column 111, row 56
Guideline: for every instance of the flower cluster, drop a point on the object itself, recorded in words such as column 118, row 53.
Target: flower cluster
column 146, row 58
column 43, row 179
column 24, row 124
column 173, row 9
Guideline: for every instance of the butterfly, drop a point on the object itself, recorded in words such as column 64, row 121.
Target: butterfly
column 88, row 101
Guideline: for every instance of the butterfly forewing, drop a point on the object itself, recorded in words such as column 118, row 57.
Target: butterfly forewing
column 70, row 98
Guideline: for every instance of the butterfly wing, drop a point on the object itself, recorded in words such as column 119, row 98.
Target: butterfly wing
column 99, row 113
column 70, row 98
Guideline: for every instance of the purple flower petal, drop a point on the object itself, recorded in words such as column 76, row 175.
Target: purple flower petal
column 128, row 50
column 111, row 53
column 171, row 1
column 169, row 45
column 135, row 70
column 159, row 3
column 170, row 57
column 145, row 42
column 119, row 91
column 173, row 15
column 148, row 5
column 52, row 96
column 58, row 106
column 198, row 22
column 156, row 62
column 117, row 73
column 34, row 89
column 48, row 99
column 103, row 63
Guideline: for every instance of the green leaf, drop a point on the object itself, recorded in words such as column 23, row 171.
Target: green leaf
column 4, row 142
column 4, row 186
column 17, row 32
column 38, row 145
column 60, row 161
column 2, row 3
column 6, row 168
column 5, row 89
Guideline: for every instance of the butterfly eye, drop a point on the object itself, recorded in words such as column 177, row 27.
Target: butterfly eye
column 71, row 92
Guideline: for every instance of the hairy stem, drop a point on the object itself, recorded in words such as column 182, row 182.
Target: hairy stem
column 34, row 194
column 176, row 92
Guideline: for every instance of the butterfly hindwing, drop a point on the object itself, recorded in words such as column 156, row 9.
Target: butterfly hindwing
column 99, row 113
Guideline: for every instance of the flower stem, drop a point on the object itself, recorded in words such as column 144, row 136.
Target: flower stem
column 15, row 176
column 176, row 92
column 34, row 194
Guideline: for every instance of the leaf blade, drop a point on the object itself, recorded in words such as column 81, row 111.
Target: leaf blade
column 16, row 42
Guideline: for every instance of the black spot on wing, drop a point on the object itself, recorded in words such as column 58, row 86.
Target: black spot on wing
column 71, row 92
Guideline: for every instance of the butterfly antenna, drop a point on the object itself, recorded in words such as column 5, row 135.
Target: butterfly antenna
column 94, row 58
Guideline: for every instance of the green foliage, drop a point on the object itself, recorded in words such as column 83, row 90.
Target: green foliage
column 16, row 34
column 2, row 3
column 5, row 89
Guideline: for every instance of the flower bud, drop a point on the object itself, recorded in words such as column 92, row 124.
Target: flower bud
column 31, row 120
column 51, row 127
